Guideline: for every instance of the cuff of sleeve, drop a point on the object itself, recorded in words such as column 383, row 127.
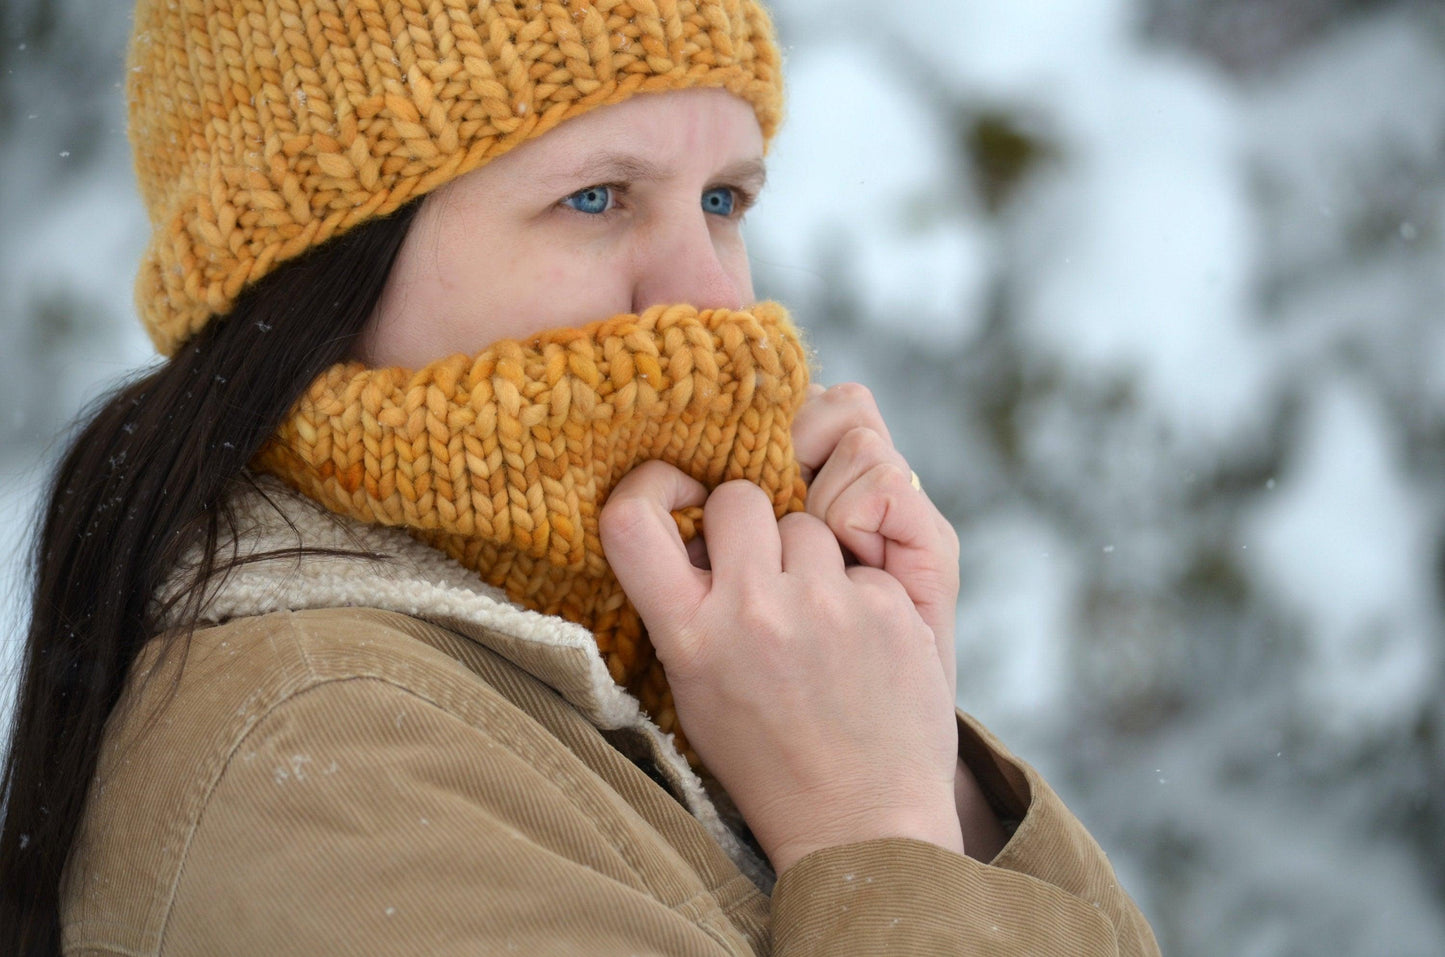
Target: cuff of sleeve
column 1007, row 783
column 900, row 896
column 1046, row 841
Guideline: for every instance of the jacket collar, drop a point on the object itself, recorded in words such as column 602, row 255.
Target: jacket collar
column 292, row 555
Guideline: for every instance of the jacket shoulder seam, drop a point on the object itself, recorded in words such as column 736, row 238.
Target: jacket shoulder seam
column 319, row 683
column 313, row 682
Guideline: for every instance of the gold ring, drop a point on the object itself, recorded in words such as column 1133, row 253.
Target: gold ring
column 913, row 480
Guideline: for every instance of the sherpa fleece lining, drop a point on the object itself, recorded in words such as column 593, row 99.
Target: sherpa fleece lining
column 385, row 568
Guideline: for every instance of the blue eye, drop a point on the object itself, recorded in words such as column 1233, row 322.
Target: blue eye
column 593, row 200
column 719, row 200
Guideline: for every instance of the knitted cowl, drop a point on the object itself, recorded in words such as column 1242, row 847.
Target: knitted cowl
column 503, row 460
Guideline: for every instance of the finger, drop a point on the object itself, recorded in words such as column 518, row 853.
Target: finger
column 938, row 623
column 823, row 421
column 641, row 542
column 809, row 548
column 858, row 453
column 921, row 554
column 741, row 532
column 879, row 513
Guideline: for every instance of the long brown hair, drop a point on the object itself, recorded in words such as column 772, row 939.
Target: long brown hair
column 145, row 479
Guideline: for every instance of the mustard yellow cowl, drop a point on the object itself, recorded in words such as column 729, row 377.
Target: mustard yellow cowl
column 504, row 459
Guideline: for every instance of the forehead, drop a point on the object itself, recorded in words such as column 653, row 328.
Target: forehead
column 674, row 130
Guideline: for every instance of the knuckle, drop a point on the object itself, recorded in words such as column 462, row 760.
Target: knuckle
column 817, row 601
column 682, row 653
column 754, row 613
column 876, row 588
column 843, row 509
column 865, row 443
column 851, row 393
column 891, row 478
column 623, row 516
column 737, row 492
column 879, row 487
column 886, row 601
column 651, row 472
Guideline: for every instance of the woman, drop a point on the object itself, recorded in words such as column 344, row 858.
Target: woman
column 470, row 276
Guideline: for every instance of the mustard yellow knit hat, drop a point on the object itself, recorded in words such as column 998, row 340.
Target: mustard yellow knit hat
column 262, row 128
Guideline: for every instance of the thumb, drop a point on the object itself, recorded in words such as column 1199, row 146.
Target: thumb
column 641, row 542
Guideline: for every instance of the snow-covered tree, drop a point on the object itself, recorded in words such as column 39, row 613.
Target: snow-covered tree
column 1151, row 292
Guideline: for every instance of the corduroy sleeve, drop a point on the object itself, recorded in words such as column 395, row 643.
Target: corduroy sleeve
column 358, row 817
column 1051, row 890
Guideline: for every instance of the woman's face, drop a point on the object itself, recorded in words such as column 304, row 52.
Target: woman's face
column 613, row 211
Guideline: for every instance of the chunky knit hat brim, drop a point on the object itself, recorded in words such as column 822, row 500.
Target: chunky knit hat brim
column 262, row 128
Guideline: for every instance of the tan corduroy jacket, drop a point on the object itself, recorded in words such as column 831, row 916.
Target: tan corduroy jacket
column 381, row 756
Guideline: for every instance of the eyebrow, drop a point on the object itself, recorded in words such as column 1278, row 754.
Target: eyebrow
column 628, row 167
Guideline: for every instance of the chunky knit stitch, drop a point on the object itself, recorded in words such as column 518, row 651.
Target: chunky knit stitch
column 504, row 459
column 262, row 128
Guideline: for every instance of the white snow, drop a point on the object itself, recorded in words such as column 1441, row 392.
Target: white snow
column 1014, row 620
column 1342, row 545
column 867, row 166
column 1184, row 399
column 1142, row 244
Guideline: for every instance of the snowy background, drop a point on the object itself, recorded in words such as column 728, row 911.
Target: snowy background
column 1152, row 293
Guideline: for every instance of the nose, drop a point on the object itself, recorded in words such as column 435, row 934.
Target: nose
column 682, row 261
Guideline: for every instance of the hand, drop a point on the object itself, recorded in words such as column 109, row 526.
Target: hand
column 861, row 487
column 812, row 690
